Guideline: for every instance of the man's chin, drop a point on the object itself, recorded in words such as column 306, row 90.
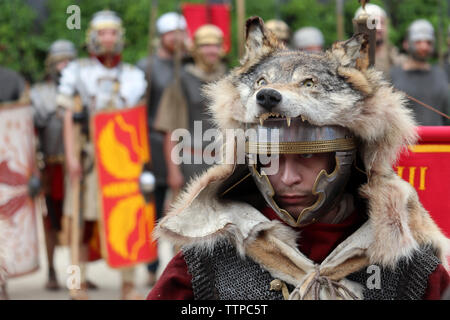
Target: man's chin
column 294, row 211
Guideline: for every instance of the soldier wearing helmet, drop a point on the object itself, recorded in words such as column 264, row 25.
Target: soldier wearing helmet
column 418, row 78
column 182, row 104
column 48, row 121
column 306, row 205
column 171, row 28
column 280, row 29
column 102, row 81
column 386, row 54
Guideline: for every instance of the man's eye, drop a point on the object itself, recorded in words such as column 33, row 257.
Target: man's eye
column 306, row 155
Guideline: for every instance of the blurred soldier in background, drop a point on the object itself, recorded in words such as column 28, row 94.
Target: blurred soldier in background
column 386, row 54
column 13, row 85
column 280, row 29
column 308, row 39
column 421, row 80
column 183, row 106
column 102, row 81
column 48, row 121
column 171, row 28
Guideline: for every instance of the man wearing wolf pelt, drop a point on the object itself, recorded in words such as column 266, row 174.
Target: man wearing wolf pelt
column 334, row 221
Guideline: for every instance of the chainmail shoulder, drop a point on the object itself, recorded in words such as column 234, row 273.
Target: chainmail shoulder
column 221, row 274
column 408, row 281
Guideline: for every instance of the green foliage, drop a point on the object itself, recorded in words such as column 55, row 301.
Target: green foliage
column 23, row 43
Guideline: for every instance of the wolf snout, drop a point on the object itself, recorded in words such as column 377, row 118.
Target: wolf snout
column 268, row 98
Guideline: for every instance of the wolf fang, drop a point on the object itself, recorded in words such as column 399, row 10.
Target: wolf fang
column 198, row 310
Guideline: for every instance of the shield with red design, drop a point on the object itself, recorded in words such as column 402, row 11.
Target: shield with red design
column 426, row 166
column 18, row 186
column 127, row 218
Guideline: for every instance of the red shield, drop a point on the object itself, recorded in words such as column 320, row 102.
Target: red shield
column 427, row 168
column 18, row 222
column 127, row 221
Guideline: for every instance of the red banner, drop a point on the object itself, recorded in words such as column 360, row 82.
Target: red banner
column 197, row 15
column 427, row 168
column 127, row 221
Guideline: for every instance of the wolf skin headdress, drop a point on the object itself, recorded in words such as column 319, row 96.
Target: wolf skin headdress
column 346, row 93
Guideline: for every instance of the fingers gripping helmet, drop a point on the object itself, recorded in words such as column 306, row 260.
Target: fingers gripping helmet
column 105, row 19
column 59, row 50
column 285, row 136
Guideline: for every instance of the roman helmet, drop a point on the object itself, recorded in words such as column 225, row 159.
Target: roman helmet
column 59, row 50
column 104, row 20
column 308, row 37
column 280, row 29
column 418, row 30
column 276, row 136
column 208, row 34
column 170, row 21
column 372, row 10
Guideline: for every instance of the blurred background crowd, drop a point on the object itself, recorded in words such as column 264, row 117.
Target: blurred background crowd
column 162, row 41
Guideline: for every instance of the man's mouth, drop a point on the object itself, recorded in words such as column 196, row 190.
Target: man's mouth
column 275, row 115
column 292, row 199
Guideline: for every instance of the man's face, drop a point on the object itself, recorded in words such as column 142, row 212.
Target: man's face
column 108, row 38
column 294, row 181
column 61, row 65
column 209, row 53
column 381, row 30
column 423, row 49
column 171, row 39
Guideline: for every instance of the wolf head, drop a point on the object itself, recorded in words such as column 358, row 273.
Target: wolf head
column 332, row 88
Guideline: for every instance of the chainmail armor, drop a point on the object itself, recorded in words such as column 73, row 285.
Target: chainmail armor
column 221, row 274
column 408, row 281
column 224, row 275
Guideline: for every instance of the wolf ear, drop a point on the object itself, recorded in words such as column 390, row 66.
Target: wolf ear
column 259, row 40
column 354, row 52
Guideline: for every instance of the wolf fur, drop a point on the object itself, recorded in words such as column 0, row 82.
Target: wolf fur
column 345, row 92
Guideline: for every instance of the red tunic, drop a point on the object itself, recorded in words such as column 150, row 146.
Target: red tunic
column 316, row 242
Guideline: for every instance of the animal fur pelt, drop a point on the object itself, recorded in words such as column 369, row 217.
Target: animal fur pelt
column 332, row 88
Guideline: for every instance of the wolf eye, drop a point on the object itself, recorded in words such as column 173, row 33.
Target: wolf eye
column 309, row 83
column 261, row 82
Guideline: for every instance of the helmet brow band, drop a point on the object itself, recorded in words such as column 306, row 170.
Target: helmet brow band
column 300, row 147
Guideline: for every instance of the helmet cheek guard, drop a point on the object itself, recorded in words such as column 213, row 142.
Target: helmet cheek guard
column 301, row 138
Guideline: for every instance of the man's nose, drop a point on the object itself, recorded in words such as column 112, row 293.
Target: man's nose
column 291, row 174
column 268, row 98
